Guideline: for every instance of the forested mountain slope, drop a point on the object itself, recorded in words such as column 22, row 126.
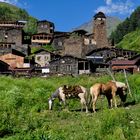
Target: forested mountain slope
column 131, row 41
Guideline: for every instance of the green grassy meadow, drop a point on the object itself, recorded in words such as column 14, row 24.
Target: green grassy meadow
column 24, row 113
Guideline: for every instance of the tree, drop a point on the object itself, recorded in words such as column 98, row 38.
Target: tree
column 130, row 24
column 31, row 26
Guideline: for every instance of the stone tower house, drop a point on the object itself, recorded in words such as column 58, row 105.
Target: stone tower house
column 45, row 26
column 99, row 30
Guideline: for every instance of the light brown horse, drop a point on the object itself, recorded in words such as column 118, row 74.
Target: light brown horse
column 110, row 90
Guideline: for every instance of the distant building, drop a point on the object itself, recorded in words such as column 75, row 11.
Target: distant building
column 13, row 58
column 78, row 44
column 101, row 57
column 131, row 65
column 45, row 26
column 43, row 57
column 11, row 36
column 58, row 40
column 44, row 35
column 69, row 65
column 41, row 39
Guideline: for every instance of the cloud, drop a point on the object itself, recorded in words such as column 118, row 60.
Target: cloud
column 10, row 1
column 108, row 2
column 120, row 7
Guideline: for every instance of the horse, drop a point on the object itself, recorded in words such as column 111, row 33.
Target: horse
column 110, row 90
column 67, row 92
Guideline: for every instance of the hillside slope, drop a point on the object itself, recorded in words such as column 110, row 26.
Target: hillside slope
column 129, row 25
column 112, row 22
column 13, row 13
column 131, row 41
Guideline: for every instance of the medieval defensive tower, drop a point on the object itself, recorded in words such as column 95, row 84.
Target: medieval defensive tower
column 99, row 30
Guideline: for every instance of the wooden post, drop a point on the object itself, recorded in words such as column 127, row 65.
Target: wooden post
column 111, row 74
column 127, row 83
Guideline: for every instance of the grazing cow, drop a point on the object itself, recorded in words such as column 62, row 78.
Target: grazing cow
column 110, row 90
column 67, row 92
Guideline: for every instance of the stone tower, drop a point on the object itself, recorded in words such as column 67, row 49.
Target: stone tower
column 99, row 30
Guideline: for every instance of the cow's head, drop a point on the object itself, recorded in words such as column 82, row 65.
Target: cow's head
column 122, row 92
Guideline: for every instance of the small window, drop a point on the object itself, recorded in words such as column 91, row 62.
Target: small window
column 80, row 65
column 59, row 43
column 38, row 58
column 86, row 66
column 68, row 67
column 56, row 68
column 46, row 58
column 45, row 26
column 41, row 37
column 51, row 31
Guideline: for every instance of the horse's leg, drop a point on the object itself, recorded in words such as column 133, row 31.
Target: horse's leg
column 94, row 103
column 111, row 103
column 95, row 93
column 109, row 99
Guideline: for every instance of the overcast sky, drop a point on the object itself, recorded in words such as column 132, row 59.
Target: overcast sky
column 68, row 14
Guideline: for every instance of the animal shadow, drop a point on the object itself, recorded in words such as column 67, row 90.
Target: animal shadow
column 130, row 103
column 84, row 110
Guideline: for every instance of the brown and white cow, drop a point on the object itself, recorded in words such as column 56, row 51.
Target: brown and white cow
column 110, row 90
column 67, row 92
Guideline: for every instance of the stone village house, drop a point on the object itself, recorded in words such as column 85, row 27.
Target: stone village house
column 69, row 65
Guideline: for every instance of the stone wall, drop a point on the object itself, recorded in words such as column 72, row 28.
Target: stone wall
column 65, row 65
column 74, row 46
column 11, row 36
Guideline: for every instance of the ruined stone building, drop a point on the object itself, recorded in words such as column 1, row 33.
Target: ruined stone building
column 44, row 36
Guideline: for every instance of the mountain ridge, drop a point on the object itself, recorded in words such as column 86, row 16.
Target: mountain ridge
column 112, row 23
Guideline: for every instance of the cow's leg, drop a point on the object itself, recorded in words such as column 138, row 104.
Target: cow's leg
column 83, row 101
column 62, row 96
